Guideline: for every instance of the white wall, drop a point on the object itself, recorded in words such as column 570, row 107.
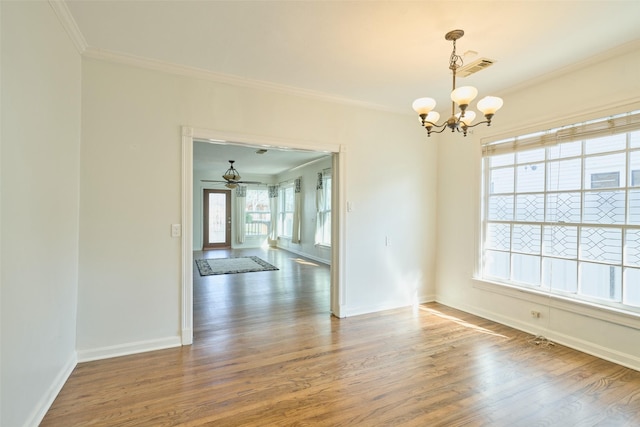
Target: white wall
column 602, row 87
column 129, row 296
column 40, row 190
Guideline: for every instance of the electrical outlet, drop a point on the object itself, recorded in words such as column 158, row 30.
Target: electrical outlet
column 176, row 230
column 535, row 314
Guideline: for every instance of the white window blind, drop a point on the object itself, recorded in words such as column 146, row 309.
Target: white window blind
column 619, row 123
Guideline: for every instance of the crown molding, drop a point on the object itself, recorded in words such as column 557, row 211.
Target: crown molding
column 620, row 50
column 199, row 73
column 69, row 24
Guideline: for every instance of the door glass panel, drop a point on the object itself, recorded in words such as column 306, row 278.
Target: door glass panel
column 217, row 218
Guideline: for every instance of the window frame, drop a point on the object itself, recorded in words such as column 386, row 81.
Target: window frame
column 630, row 183
column 325, row 212
column 260, row 213
column 282, row 212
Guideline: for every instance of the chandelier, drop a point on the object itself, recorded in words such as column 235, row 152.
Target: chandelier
column 461, row 96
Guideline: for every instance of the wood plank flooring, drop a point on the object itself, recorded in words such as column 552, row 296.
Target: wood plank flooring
column 266, row 352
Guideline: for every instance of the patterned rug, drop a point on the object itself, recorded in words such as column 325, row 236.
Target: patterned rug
column 245, row 264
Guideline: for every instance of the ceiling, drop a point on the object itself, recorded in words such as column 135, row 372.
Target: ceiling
column 379, row 53
column 215, row 157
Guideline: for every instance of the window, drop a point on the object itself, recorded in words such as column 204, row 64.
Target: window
column 563, row 214
column 323, row 224
column 285, row 222
column 258, row 215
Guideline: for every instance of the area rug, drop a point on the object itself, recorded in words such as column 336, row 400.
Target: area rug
column 245, row 264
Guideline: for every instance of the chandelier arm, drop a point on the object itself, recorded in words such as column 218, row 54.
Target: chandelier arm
column 435, row 125
column 480, row 123
column 442, row 129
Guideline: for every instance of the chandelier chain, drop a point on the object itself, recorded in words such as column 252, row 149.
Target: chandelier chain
column 455, row 61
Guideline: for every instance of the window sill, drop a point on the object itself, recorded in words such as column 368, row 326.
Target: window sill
column 609, row 314
column 323, row 246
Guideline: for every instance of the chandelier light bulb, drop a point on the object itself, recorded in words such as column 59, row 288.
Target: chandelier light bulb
column 432, row 117
column 464, row 95
column 489, row 104
column 469, row 116
column 423, row 105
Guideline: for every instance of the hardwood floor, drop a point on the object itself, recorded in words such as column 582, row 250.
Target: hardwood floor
column 267, row 352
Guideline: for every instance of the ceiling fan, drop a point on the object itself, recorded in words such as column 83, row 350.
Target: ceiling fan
column 232, row 177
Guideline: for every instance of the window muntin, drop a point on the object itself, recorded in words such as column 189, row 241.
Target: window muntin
column 566, row 219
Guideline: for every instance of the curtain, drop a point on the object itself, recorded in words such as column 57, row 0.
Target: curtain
column 241, row 213
column 297, row 211
column 319, row 207
column 273, row 208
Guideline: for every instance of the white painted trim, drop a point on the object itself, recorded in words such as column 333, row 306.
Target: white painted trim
column 189, row 134
column 202, row 74
column 583, row 308
column 128, row 349
column 338, row 233
column 424, row 299
column 69, row 24
column 623, row 49
column 50, row 395
column 261, row 141
column 359, row 310
column 614, row 356
column 306, row 255
column 187, row 236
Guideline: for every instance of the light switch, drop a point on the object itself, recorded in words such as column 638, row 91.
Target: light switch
column 176, row 230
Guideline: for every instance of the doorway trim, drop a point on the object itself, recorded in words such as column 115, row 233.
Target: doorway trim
column 338, row 200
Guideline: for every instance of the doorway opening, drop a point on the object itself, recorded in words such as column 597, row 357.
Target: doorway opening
column 338, row 161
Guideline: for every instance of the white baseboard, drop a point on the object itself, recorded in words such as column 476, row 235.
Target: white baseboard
column 306, row 255
column 356, row 311
column 627, row 360
column 427, row 298
column 128, row 349
column 47, row 399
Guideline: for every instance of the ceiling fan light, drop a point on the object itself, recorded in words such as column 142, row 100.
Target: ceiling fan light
column 464, row 95
column 231, row 175
column 230, row 185
column 423, row 105
column 469, row 116
column 490, row 104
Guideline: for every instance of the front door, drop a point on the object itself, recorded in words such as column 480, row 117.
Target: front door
column 217, row 219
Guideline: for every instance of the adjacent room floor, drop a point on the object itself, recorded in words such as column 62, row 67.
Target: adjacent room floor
column 266, row 351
